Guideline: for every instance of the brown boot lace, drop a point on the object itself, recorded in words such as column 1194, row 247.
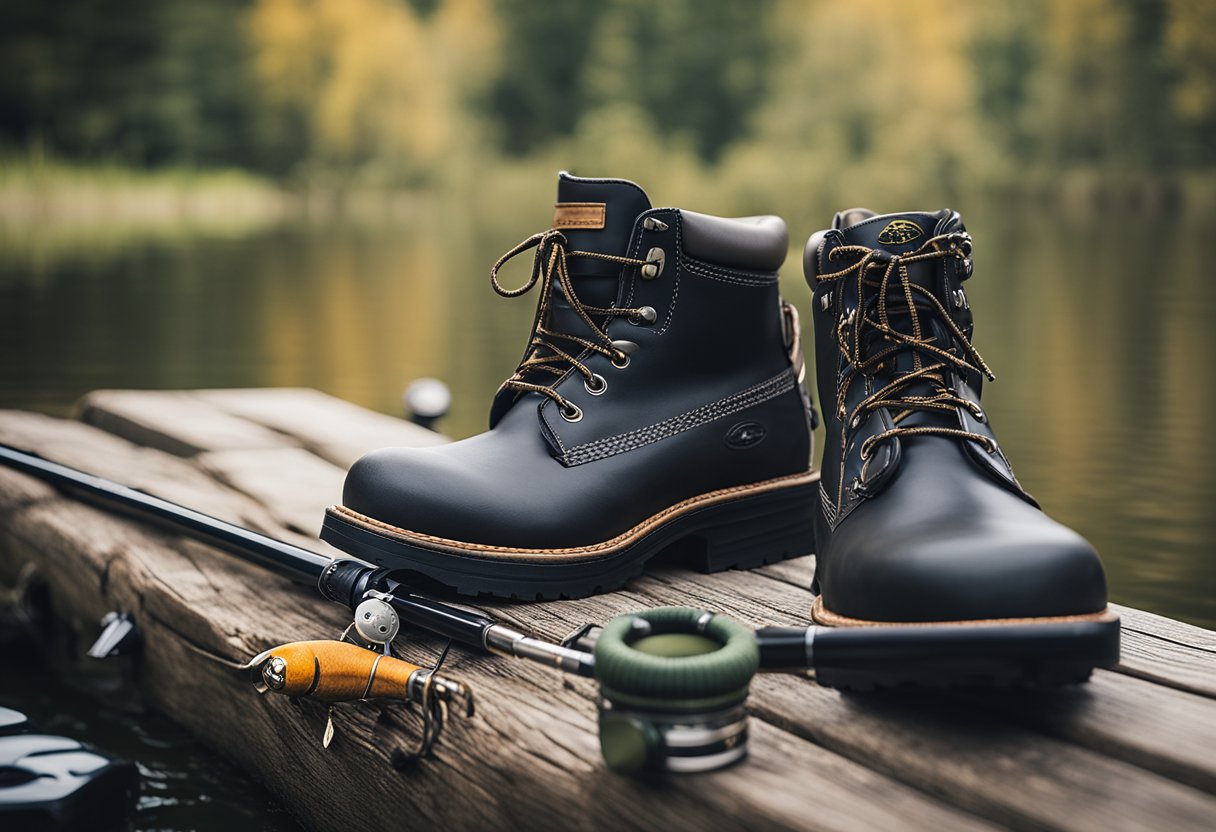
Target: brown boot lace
column 544, row 353
column 930, row 362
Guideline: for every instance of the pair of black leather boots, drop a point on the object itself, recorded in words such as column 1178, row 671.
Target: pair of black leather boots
column 659, row 407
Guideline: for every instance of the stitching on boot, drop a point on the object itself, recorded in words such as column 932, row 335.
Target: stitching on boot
column 829, row 508
column 724, row 275
column 781, row 383
column 822, row 615
column 680, row 265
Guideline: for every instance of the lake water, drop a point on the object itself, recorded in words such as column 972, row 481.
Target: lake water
column 1100, row 330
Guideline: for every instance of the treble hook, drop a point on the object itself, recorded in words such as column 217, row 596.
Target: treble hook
column 436, row 695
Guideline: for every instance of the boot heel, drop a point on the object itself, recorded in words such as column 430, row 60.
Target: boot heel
column 752, row 532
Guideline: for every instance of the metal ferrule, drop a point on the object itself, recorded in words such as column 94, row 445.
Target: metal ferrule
column 415, row 686
column 504, row 641
column 693, row 742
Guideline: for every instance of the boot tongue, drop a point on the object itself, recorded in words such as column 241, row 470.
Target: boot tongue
column 900, row 234
column 903, row 234
column 896, row 233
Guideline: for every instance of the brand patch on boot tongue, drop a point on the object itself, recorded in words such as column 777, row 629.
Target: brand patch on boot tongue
column 900, row 232
column 590, row 215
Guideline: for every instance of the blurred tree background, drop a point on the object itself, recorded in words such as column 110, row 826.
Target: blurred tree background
column 802, row 102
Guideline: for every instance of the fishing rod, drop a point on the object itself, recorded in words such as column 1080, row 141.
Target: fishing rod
column 344, row 580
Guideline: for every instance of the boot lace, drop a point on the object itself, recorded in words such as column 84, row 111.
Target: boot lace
column 555, row 352
column 893, row 293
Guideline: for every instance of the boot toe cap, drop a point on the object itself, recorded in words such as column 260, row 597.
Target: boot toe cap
column 1022, row 571
column 447, row 492
column 416, row 490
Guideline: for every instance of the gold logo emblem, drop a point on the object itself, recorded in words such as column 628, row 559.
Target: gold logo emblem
column 589, row 215
column 900, row 232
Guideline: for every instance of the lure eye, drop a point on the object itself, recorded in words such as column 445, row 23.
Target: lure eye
column 274, row 673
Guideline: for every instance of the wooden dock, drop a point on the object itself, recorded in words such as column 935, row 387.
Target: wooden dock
column 1134, row 749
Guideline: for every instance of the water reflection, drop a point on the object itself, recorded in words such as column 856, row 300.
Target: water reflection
column 1099, row 331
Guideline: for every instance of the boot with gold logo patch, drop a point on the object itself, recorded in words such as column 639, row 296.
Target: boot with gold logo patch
column 658, row 406
column 920, row 520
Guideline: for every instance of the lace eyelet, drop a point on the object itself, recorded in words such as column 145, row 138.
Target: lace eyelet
column 620, row 361
column 596, row 385
column 570, row 412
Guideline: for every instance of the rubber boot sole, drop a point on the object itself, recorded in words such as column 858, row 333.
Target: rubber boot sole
column 734, row 528
column 1024, row 652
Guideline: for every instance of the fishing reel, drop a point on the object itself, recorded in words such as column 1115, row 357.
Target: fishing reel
column 363, row 667
column 673, row 686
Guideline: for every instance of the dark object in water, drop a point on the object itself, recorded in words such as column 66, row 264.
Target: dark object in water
column 49, row 783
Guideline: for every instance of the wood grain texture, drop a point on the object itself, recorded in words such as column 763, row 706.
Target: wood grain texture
column 176, row 422
column 337, row 431
column 528, row 759
column 1168, row 652
column 1129, row 751
column 287, row 482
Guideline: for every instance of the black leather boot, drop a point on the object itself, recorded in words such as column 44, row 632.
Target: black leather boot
column 920, row 519
column 658, row 405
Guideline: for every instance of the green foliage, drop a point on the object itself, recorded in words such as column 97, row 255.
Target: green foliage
column 879, row 97
column 539, row 93
column 152, row 82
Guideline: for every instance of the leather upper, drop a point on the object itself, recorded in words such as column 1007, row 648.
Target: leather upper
column 930, row 527
column 714, row 357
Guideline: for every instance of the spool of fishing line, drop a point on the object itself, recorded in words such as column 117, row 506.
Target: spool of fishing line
column 673, row 686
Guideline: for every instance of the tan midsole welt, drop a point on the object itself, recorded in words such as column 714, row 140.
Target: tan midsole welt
column 822, row 615
column 596, row 550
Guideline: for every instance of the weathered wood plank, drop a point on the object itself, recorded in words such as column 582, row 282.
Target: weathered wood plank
column 1168, row 652
column 528, row 759
column 788, row 602
column 175, row 421
column 98, row 452
column 288, row 482
column 333, row 429
column 1123, row 717
column 965, row 753
column 188, row 422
